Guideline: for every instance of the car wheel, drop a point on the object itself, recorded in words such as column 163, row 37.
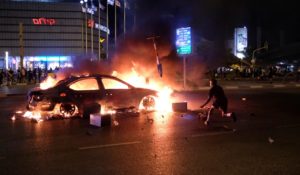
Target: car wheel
column 147, row 103
column 68, row 110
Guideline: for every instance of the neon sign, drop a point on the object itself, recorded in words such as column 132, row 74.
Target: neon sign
column 43, row 21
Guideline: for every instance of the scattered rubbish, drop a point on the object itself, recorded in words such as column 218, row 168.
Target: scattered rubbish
column 116, row 123
column 150, row 120
column 226, row 127
column 270, row 140
column 13, row 118
column 244, row 99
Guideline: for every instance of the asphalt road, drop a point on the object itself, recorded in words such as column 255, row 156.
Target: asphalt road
column 264, row 140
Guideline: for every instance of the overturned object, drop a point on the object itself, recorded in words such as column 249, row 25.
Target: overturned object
column 179, row 107
column 99, row 120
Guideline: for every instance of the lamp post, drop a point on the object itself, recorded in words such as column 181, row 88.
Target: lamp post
column 99, row 32
column 82, row 2
column 253, row 55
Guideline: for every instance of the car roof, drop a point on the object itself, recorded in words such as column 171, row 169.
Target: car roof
column 74, row 77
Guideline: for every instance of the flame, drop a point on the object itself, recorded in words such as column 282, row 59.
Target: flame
column 35, row 115
column 162, row 102
column 48, row 82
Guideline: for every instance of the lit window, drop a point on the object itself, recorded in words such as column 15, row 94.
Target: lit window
column 85, row 85
column 109, row 83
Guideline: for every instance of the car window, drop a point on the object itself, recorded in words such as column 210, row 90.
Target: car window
column 86, row 84
column 110, row 83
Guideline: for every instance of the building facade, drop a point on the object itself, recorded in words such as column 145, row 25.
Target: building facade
column 50, row 34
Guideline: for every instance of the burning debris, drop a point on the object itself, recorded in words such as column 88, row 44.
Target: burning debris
column 33, row 115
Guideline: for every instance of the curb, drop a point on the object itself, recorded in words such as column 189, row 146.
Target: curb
column 11, row 95
column 230, row 87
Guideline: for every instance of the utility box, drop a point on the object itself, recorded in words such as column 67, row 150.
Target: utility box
column 99, row 120
column 179, row 107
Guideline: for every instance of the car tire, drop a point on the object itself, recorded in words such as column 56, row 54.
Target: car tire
column 68, row 110
column 147, row 103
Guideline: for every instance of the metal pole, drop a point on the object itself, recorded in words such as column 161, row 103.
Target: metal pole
column 92, row 31
column 86, row 28
column 82, row 37
column 184, row 72
column 99, row 32
column 107, row 30
column 21, row 45
column 115, row 24
column 124, row 20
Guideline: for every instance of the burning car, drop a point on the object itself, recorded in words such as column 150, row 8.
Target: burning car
column 86, row 94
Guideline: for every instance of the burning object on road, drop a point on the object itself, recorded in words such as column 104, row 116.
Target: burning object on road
column 74, row 96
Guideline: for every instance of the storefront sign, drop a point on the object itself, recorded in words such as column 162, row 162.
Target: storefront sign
column 91, row 23
column 43, row 21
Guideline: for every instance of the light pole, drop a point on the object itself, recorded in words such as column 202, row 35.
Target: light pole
column 92, row 29
column 99, row 32
column 253, row 55
column 85, row 22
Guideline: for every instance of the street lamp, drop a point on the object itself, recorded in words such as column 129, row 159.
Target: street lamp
column 254, row 51
column 253, row 55
column 85, row 22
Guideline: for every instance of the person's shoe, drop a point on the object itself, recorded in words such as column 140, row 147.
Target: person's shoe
column 233, row 116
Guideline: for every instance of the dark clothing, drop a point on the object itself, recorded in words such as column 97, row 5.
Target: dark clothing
column 219, row 98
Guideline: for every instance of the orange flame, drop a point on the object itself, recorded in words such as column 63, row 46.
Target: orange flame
column 48, row 83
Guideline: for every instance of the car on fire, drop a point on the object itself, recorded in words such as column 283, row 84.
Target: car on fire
column 86, row 94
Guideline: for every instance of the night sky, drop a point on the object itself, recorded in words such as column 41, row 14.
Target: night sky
column 215, row 20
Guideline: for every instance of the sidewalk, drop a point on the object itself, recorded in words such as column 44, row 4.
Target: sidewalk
column 18, row 89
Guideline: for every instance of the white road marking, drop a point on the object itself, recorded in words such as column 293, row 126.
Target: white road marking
column 256, row 86
column 109, row 145
column 278, row 85
column 213, row 133
column 231, row 87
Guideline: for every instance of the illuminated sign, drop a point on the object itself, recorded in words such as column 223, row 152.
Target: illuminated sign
column 43, row 21
column 50, row 58
column 91, row 23
column 240, row 42
column 183, row 41
column 89, row 10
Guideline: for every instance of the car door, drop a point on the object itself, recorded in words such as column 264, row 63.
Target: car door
column 118, row 94
column 85, row 90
